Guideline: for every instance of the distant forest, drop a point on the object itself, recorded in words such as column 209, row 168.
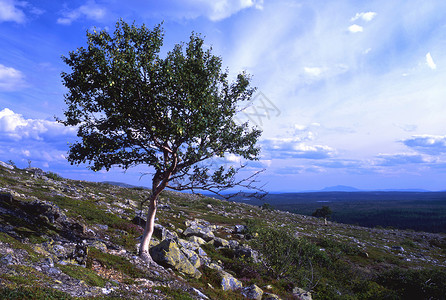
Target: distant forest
column 420, row 211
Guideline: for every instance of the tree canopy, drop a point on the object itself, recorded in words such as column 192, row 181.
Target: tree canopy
column 134, row 107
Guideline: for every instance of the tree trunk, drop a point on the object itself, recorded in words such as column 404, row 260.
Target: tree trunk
column 148, row 230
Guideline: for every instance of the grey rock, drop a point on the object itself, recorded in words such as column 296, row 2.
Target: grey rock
column 169, row 255
column 252, row 292
column 201, row 231
column 301, row 294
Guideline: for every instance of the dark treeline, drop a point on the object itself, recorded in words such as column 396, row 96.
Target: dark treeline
column 421, row 211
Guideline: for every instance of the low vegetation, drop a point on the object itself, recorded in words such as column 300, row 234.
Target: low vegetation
column 334, row 261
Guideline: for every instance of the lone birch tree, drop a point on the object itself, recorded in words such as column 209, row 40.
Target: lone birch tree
column 172, row 114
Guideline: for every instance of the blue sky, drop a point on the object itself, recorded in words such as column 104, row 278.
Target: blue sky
column 349, row 92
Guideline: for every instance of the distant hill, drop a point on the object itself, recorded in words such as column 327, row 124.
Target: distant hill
column 340, row 188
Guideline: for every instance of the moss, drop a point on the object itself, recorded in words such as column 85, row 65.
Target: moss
column 25, row 275
column 174, row 294
column 81, row 273
column 5, row 238
column 114, row 262
column 32, row 293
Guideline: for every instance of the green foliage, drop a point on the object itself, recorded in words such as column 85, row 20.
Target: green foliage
column 267, row 206
column 134, row 107
column 287, row 256
column 324, row 212
column 53, row 176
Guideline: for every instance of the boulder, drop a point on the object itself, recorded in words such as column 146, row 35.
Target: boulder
column 193, row 257
column 196, row 239
column 169, row 255
column 229, row 282
column 252, row 292
column 219, row 242
column 240, row 228
column 268, row 296
column 162, row 233
column 201, row 231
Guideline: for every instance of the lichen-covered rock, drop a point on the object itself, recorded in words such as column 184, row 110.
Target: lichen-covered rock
column 229, row 282
column 252, row 292
column 193, row 257
column 268, row 296
column 301, row 294
column 196, row 239
column 168, row 254
column 219, row 242
column 201, row 231
column 162, row 233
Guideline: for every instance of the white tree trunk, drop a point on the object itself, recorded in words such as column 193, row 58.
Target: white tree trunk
column 148, row 230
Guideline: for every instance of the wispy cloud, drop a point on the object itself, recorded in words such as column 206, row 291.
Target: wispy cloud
column 12, row 11
column 402, row 159
column 10, row 78
column 89, row 10
column 365, row 16
column 430, row 61
column 222, row 9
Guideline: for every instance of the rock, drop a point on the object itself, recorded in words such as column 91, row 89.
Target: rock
column 193, row 257
column 8, row 259
column 398, row 248
column 240, row 228
column 162, row 233
column 196, row 239
column 268, row 296
column 219, row 242
column 169, row 255
column 201, row 231
column 7, row 166
column 252, row 292
column 229, row 282
column 301, row 294
column 247, row 252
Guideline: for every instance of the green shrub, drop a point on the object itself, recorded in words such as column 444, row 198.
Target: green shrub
column 288, row 256
column 415, row 284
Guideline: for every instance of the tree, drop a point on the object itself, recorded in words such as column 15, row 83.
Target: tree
column 324, row 212
column 173, row 114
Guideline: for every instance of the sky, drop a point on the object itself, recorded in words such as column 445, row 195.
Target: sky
column 348, row 92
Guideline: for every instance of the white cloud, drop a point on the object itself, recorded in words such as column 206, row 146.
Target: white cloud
column 430, row 61
column 314, row 71
column 9, row 11
column 10, row 78
column 89, row 10
column 221, row 9
column 365, row 16
column 430, row 144
column 355, row 28
column 295, row 148
column 16, row 127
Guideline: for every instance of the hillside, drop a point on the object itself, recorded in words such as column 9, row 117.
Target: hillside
column 62, row 239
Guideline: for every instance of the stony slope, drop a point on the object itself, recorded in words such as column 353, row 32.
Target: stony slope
column 62, row 238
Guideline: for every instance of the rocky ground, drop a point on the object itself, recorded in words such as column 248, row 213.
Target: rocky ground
column 79, row 239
